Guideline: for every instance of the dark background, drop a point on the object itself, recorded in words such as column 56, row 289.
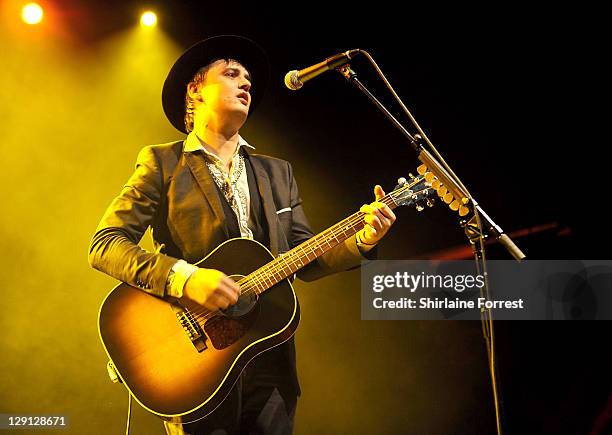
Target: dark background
column 510, row 98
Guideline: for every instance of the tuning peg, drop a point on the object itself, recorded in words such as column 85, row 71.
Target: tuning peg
column 442, row 190
column 454, row 206
column 429, row 177
column 463, row 210
column 402, row 181
column 448, row 198
column 436, row 184
column 422, row 169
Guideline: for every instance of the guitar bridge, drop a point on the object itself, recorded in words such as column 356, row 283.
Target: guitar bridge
column 191, row 327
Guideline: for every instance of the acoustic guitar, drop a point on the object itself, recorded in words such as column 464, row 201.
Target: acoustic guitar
column 180, row 360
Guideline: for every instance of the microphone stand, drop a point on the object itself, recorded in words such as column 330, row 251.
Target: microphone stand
column 476, row 228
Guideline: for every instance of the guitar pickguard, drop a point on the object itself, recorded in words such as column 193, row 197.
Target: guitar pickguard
column 224, row 331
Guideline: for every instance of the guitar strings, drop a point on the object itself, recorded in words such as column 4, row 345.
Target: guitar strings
column 275, row 267
column 254, row 280
column 258, row 277
column 353, row 220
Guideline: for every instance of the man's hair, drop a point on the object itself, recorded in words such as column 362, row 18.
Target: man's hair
column 195, row 84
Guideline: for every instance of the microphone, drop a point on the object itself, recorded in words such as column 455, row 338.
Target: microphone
column 294, row 80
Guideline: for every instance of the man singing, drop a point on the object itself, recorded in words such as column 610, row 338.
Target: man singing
column 199, row 192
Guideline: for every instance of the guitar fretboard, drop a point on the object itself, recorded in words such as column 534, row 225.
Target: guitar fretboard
column 291, row 261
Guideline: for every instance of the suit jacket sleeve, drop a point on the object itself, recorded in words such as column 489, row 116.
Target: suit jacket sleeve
column 345, row 256
column 114, row 248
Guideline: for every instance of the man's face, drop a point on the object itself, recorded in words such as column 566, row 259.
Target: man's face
column 225, row 90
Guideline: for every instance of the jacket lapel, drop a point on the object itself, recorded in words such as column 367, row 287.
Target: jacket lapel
column 200, row 172
column 265, row 193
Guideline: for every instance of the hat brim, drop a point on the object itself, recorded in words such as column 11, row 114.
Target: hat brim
column 239, row 48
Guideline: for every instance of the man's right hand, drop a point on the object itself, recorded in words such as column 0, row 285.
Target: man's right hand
column 212, row 289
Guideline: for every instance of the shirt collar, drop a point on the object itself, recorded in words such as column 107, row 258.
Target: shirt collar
column 194, row 143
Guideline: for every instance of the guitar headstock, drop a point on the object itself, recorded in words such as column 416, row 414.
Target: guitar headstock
column 415, row 190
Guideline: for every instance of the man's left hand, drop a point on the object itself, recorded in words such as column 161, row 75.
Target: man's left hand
column 378, row 218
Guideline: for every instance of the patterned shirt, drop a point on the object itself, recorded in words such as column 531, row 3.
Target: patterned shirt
column 233, row 183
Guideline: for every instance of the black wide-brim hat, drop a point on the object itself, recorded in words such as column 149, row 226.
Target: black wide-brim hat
column 239, row 48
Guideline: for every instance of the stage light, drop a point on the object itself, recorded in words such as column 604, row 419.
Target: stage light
column 148, row 19
column 32, row 13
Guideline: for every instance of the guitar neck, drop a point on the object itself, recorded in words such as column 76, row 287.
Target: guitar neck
column 290, row 262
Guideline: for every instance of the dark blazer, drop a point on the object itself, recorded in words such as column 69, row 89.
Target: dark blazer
column 173, row 192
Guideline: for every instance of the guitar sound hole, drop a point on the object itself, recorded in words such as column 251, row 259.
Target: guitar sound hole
column 245, row 304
